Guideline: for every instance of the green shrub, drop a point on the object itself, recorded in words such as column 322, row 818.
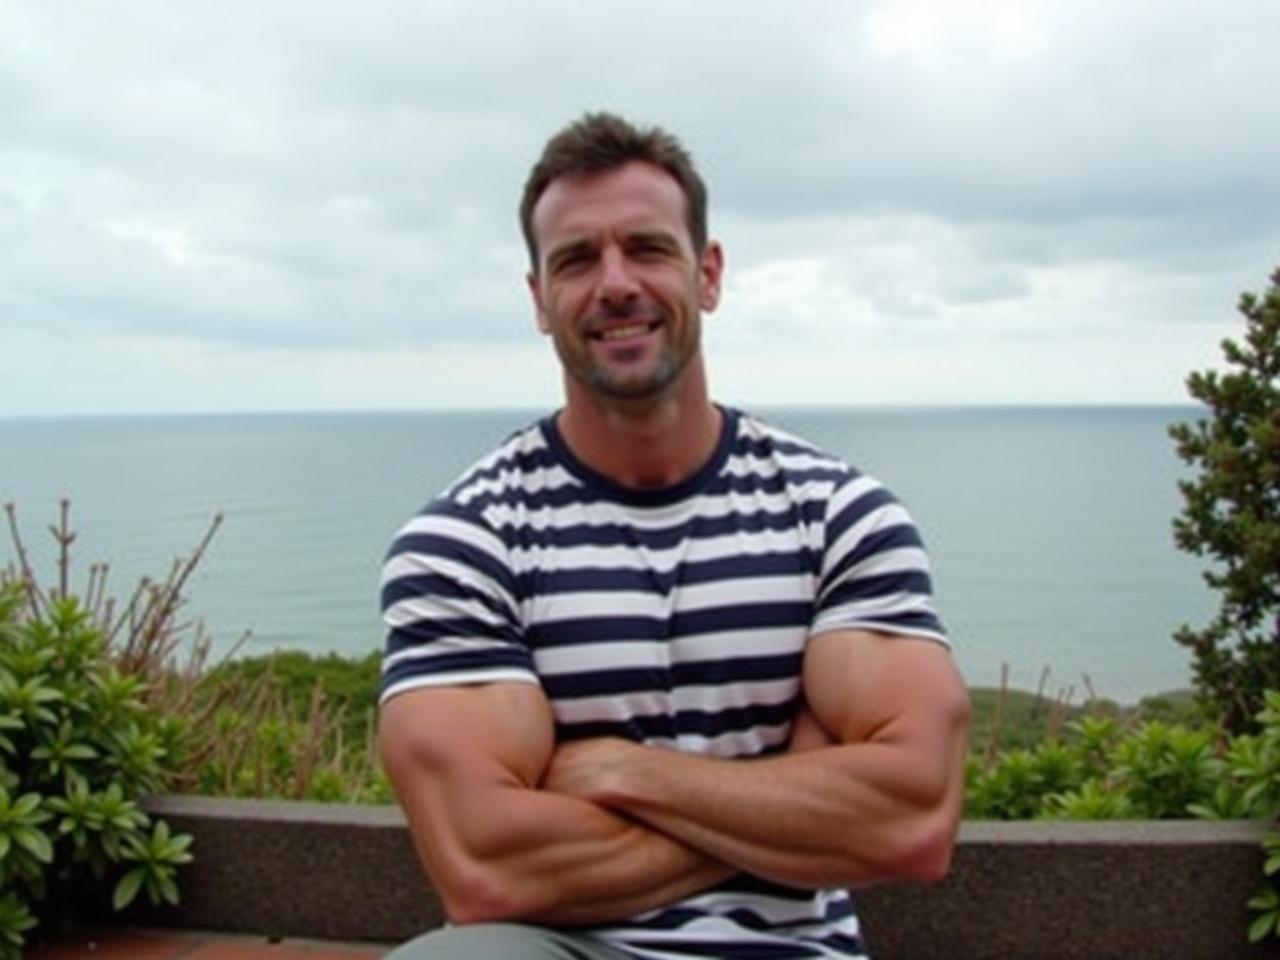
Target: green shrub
column 1099, row 770
column 78, row 749
column 292, row 726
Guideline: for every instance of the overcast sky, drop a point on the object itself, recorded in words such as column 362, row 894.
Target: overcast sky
column 289, row 206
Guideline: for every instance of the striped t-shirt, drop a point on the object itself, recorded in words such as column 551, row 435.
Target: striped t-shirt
column 674, row 617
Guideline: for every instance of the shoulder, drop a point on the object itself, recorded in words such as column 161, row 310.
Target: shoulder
column 762, row 447
column 519, row 464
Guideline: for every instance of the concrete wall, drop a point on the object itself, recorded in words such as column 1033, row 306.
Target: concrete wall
column 1128, row 890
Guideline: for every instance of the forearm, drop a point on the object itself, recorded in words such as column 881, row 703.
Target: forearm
column 838, row 816
column 520, row 853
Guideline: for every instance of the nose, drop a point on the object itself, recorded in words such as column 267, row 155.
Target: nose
column 617, row 284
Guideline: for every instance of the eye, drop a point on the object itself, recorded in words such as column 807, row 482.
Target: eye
column 646, row 248
column 569, row 261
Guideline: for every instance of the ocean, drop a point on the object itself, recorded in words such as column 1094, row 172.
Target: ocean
column 1049, row 528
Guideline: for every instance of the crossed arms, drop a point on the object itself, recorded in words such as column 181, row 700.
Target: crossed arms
column 511, row 827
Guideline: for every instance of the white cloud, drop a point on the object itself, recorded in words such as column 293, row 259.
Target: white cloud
column 929, row 179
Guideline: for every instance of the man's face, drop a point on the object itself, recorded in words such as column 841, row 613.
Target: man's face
column 618, row 284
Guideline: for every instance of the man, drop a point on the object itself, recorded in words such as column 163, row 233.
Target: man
column 661, row 680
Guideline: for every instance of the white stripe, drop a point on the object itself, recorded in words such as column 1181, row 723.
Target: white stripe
column 710, row 698
column 766, row 641
column 790, row 588
column 624, row 557
column 735, row 743
column 896, row 560
column 510, row 479
column 653, row 519
column 724, row 644
column 771, row 909
column 836, row 621
column 458, row 678
column 704, row 596
column 473, row 534
column 889, row 515
column 883, row 606
column 430, row 607
column 854, row 490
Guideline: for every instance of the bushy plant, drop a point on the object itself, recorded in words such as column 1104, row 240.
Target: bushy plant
column 1152, row 770
column 1232, row 516
column 1097, row 771
column 78, row 749
column 264, row 743
column 1252, row 767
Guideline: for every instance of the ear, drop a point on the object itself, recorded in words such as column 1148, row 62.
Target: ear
column 710, row 272
column 535, row 293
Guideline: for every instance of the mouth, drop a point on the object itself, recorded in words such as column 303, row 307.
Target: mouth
column 624, row 331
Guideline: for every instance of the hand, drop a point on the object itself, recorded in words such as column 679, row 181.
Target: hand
column 591, row 769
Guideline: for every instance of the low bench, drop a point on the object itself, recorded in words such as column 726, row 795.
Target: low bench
column 1062, row 890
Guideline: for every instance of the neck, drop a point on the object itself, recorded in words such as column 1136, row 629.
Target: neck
column 655, row 442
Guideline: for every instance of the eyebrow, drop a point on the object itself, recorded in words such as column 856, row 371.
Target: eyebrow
column 662, row 237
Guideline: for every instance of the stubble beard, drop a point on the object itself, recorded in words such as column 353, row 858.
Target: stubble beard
column 652, row 382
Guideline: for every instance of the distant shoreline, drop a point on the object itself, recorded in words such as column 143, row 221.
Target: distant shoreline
column 534, row 412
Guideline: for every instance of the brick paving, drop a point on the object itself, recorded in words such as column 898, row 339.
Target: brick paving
column 172, row 945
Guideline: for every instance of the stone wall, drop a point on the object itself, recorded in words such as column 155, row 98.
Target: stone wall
column 1093, row 891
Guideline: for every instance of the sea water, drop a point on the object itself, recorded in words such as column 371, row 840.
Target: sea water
column 1049, row 528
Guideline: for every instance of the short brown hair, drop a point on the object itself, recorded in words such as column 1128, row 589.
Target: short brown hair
column 598, row 142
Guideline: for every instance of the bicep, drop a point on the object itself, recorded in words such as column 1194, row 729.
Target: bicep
column 497, row 731
column 867, row 687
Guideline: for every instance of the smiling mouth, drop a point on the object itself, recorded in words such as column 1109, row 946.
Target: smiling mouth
column 625, row 331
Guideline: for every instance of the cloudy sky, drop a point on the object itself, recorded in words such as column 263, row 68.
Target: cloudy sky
column 284, row 206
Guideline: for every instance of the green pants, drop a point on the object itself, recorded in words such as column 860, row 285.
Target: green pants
column 504, row 941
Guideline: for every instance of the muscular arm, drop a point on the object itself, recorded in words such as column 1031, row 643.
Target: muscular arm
column 466, row 764
column 882, row 801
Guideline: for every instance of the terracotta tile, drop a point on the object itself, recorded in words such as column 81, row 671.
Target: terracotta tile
column 115, row 946
column 224, row 950
column 239, row 950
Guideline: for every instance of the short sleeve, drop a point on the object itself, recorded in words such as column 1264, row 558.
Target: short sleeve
column 449, row 606
column 874, row 572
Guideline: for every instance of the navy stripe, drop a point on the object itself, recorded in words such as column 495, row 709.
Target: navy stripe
column 839, row 909
column 764, row 448
column 742, row 616
column 677, row 917
column 596, row 683
column 601, row 683
column 438, row 545
column 667, row 726
column 660, row 538
column 738, row 949
column 854, row 511
column 841, row 942
column 909, row 621
column 517, row 461
column 575, row 495
column 878, row 541
column 418, row 585
column 602, row 579
column 881, row 585
column 749, row 883
column 417, row 632
column 751, row 920
column 672, row 918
